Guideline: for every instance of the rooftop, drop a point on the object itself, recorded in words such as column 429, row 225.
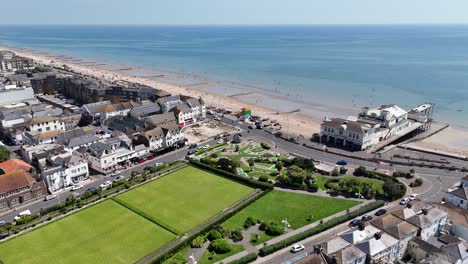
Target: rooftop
column 13, row 165
column 14, row 180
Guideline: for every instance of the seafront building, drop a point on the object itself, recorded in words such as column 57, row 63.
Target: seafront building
column 373, row 126
column 9, row 62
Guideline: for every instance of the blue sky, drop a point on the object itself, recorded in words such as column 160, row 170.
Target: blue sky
column 235, row 12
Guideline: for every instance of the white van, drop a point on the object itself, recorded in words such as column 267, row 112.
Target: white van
column 25, row 212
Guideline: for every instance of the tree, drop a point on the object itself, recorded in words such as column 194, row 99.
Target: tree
column 236, row 235
column 8, row 227
column 296, row 176
column 214, row 234
column 360, row 171
column 236, row 139
column 220, row 246
column 85, row 120
column 71, row 200
column 251, row 164
column 237, row 148
column 393, row 190
column 279, row 165
column 4, row 154
column 198, row 242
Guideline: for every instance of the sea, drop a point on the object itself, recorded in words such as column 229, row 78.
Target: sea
column 324, row 69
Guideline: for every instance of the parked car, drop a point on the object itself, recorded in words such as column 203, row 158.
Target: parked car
column 77, row 195
column 297, row 248
column 217, row 118
column 158, row 164
column 380, row 212
column 342, row 162
column 91, row 190
column 226, row 139
column 23, row 213
column 50, row 197
column 217, row 137
column 354, row 222
column 76, row 187
column 114, row 174
column 251, row 127
column 259, row 126
column 191, row 152
column 206, row 146
column 366, row 218
column 413, row 196
column 193, row 146
column 105, row 185
column 2, row 223
column 404, row 201
column 219, row 141
column 119, row 178
column 226, row 135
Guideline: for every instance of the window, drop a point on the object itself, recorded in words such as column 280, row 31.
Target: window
column 47, row 128
column 3, row 205
column 14, row 201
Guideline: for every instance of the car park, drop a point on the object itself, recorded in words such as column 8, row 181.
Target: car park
column 366, row 218
column 404, row 201
column 50, row 197
column 380, row 212
column 297, row 248
column 76, row 187
column 413, row 196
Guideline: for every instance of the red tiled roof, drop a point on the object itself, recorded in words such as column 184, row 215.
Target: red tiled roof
column 15, row 180
column 13, row 165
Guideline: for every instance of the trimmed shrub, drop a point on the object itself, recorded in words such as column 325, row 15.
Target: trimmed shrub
column 274, row 230
column 250, row 221
column 236, row 235
column 245, row 259
column 214, row 234
column 198, row 242
column 220, row 246
column 263, row 178
column 416, row 183
column 265, row 145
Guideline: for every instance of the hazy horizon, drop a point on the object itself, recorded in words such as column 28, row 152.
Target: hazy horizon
column 241, row 12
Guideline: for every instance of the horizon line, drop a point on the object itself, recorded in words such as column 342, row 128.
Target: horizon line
column 242, row 25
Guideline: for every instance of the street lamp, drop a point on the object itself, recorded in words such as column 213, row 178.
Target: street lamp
column 286, row 225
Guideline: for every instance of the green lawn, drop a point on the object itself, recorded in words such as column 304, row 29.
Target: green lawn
column 215, row 257
column 376, row 183
column 278, row 205
column 186, row 198
column 103, row 233
column 320, row 181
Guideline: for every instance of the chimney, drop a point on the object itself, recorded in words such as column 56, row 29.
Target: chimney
column 409, row 205
column 425, row 211
column 334, row 260
column 377, row 235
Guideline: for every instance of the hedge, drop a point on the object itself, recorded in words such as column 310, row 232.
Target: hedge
column 210, row 148
column 147, row 216
column 245, row 259
column 320, row 228
column 231, row 176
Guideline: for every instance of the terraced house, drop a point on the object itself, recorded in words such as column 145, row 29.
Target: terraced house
column 19, row 187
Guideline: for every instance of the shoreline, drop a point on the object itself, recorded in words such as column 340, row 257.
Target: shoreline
column 303, row 123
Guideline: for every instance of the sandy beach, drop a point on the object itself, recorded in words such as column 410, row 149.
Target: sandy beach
column 303, row 123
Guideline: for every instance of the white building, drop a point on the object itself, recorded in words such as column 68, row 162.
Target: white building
column 377, row 244
column 369, row 128
column 64, row 170
column 16, row 63
column 44, row 124
column 101, row 157
column 105, row 109
column 165, row 135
